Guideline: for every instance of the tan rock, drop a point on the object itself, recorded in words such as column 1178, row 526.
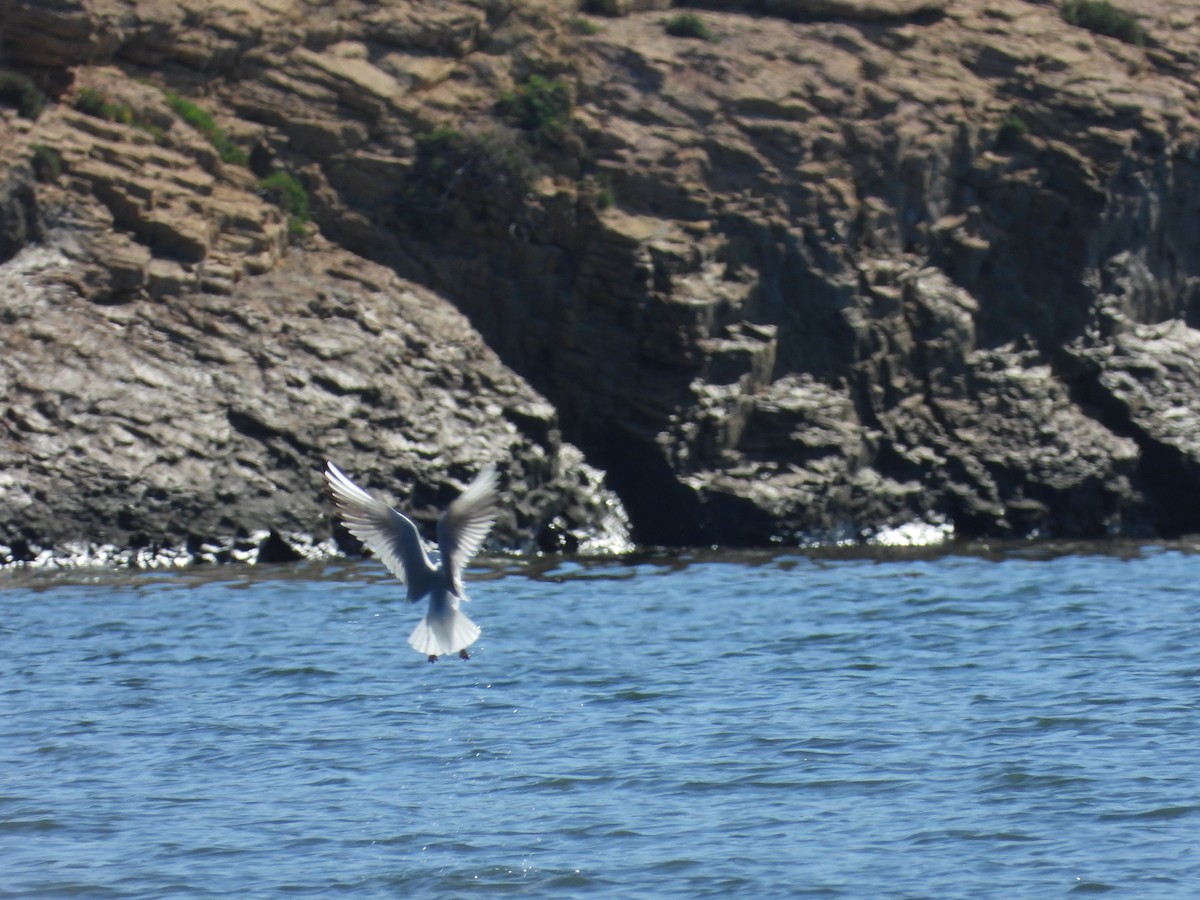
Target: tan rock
column 903, row 209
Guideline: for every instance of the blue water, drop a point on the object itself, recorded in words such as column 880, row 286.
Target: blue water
column 999, row 725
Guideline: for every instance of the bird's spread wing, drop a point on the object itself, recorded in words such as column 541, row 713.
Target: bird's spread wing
column 465, row 524
column 390, row 535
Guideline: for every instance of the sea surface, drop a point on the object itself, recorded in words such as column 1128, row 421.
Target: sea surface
column 981, row 722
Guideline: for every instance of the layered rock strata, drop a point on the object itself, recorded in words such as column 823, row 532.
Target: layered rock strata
column 839, row 266
column 174, row 375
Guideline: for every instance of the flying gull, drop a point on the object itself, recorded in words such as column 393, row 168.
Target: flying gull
column 394, row 538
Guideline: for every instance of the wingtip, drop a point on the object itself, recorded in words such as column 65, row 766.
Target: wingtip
column 485, row 484
column 489, row 474
column 333, row 475
column 345, row 493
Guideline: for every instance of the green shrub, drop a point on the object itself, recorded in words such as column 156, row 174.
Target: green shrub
column 540, row 105
column 445, row 154
column 1012, row 130
column 93, row 103
column 583, row 26
column 19, row 90
column 440, row 154
column 155, row 131
column 455, row 169
column 1102, row 17
column 203, row 122
column 285, row 191
column 47, row 163
column 689, row 25
column 599, row 188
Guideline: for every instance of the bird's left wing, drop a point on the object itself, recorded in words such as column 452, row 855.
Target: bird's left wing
column 390, row 535
column 464, row 526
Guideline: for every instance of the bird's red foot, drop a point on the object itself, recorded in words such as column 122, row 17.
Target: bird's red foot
column 463, row 654
column 433, row 657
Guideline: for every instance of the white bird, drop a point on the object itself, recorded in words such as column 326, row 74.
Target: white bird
column 394, row 538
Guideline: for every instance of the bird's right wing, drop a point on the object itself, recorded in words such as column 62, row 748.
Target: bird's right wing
column 390, row 535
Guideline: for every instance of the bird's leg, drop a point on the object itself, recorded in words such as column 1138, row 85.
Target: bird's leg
column 463, row 654
column 433, row 657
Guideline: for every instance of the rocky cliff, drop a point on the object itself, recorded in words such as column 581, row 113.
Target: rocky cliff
column 782, row 270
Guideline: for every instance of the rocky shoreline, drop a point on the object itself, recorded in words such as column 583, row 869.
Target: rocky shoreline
column 736, row 274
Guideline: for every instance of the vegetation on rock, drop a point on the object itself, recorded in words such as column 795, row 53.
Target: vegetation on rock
column 93, row 103
column 540, row 105
column 1102, row 17
column 285, row 191
column 47, row 163
column 1012, row 130
column 585, row 26
column 689, row 25
column 601, row 189
column 19, row 90
column 447, row 155
column 202, row 121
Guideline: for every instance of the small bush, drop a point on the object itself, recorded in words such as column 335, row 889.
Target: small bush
column 540, row 105
column 47, row 163
column 155, row 131
column 445, row 154
column 93, row 103
column 1011, row 132
column 586, row 27
column 19, row 90
column 440, row 154
column 600, row 190
column 199, row 118
column 203, row 122
column 454, row 168
column 1102, row 17
column 285, row 191
column 689, row 25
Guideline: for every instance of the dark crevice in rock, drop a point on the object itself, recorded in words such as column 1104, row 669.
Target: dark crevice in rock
column 19, row 219
column 1164, row 472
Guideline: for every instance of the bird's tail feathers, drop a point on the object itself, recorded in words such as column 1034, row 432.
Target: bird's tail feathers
column 443, row 635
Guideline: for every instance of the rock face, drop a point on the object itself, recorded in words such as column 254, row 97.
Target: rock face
column 174, row 377
column 202, row 426
column 849, row 264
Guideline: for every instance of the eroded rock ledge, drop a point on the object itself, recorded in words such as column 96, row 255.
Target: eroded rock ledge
column 824, row 274
column 155, row 418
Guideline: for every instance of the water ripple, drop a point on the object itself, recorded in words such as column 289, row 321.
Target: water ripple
column 838, row 725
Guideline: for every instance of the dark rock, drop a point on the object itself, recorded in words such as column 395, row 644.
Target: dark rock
column 903, row 260
column 1145, row 384
column 176, row 427
column 18, row 212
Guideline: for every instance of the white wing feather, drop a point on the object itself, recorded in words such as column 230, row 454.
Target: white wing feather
column 389, row 534
column 464, row 526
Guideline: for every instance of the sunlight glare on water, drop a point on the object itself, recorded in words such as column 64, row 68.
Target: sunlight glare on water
column 890, row 725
